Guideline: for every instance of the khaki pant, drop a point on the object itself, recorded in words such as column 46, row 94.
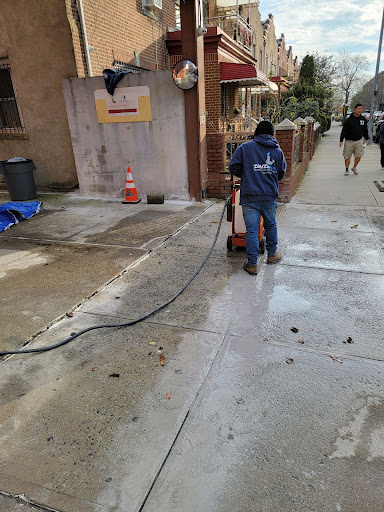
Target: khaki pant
column 355, row 147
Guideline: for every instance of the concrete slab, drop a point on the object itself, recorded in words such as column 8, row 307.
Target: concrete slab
column 75, row 218
column 49, row 280
column 326, row 248
column 205, row 305
column 77, row 438
column 271, row 436
column 326, row 306
column 332, row 217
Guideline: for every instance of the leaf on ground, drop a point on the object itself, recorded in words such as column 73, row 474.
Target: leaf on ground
column 355, row 226
column 289, row 360
column 214, row 222
column 168, row 397
column 95, row 369
column 350, row 340
column 301, row 341
column 294, row 329
column 153, row 343
column 162, row 359
column 333, row 220
column 336, row 358
column 114, row 374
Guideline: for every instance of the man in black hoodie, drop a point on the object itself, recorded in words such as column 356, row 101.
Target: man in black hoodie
column 260, row 163
column 354, row 131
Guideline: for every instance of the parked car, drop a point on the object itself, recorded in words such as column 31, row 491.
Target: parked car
column 376, row 128
column 366, row 114
column 376, row 115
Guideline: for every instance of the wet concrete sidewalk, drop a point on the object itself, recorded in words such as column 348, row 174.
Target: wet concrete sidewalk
column 245, row 415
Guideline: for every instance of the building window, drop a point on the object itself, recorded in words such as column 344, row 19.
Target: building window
column 10, row 118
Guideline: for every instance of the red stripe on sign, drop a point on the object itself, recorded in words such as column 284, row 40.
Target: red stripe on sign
column 121, row 110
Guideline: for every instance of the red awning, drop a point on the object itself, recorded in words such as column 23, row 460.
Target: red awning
column 231, row 72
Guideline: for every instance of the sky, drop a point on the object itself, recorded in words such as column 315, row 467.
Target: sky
column 328, row 26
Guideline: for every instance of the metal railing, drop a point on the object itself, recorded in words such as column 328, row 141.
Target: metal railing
column 10, row 119
column 241, row 124
column 231, row 142
column 235, row 26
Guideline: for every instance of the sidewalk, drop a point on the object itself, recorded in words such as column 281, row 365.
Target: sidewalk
column 245, row 415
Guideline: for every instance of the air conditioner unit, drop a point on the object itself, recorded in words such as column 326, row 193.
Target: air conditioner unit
column 152, row 4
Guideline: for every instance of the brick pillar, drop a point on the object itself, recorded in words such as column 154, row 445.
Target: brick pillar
column 311, row 135
column 284, row 134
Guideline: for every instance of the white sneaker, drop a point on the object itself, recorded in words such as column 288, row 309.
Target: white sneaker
column 354, row 172
column 346, row 172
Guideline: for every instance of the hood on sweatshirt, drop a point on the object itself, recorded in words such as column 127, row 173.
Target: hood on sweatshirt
column 266, row 140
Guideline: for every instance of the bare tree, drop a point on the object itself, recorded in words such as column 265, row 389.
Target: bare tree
column 349, row 73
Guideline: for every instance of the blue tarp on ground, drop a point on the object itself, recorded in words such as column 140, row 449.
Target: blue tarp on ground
column 12, row 213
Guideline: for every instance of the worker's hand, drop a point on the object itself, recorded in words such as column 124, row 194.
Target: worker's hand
column 340, row 144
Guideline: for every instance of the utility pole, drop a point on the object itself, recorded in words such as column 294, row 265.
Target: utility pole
column 376, row 88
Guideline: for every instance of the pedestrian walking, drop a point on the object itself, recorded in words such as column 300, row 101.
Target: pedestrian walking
column 354, row 131
column 260, row 163
column 381, row 142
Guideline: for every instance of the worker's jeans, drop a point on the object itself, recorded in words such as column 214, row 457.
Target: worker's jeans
column 251, row 214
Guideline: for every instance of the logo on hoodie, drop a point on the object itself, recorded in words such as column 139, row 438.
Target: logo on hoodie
column 266, row 168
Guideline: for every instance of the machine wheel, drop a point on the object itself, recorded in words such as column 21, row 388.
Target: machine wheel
column 262, row 246
column 229, row 243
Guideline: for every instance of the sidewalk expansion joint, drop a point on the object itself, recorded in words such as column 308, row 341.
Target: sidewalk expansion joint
column 319, row 267
column 319, row 351
column 179, row 431
column 21, row 498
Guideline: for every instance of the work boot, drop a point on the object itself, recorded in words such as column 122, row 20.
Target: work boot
column 251, row 269
column 275, row 258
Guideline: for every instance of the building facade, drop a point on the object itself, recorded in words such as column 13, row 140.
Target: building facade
column 78, row 38
column 43, row 42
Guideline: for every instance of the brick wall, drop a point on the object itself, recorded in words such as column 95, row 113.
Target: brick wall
column 295, row 171
column 119, row 31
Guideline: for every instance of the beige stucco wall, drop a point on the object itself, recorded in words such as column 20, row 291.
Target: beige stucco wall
column 35, row 37
column 257, row 28
column 271, row 46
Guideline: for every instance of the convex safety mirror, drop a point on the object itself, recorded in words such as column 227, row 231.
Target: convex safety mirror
column 185, row 74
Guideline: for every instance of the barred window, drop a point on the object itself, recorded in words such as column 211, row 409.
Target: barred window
column 10, row 118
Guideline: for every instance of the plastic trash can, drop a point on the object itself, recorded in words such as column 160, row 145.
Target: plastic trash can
column 19, row 179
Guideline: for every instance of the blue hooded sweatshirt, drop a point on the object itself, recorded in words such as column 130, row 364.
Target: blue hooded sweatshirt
column 260, row 164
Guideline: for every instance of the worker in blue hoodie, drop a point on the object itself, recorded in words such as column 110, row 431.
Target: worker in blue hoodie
column 260, row 164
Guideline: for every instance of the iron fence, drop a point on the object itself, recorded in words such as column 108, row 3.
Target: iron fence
column 231, row 142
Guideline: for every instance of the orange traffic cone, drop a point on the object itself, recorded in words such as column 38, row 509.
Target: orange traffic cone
column 130, row 190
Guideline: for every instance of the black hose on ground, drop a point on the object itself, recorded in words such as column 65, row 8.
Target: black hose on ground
column 125, row 324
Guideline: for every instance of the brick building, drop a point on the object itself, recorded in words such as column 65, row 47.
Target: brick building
column 242, row 82
column 80, row 38
column 44, row 41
